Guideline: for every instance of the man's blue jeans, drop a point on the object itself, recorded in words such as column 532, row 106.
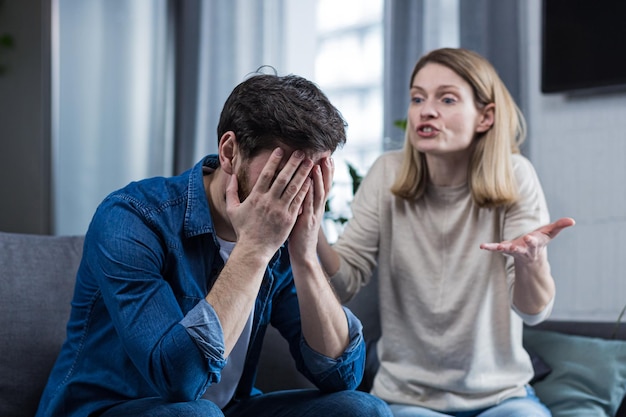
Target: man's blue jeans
column 297, row 403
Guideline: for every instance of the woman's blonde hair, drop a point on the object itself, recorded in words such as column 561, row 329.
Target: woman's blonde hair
column 490, row 177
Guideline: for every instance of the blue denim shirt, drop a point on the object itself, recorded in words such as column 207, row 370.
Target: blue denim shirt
column 140, row 326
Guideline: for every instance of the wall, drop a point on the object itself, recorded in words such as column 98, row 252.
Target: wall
column 25, row 118
column 578, row 147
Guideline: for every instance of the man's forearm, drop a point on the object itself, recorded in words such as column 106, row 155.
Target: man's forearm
column 235, row 291
column 324, row 323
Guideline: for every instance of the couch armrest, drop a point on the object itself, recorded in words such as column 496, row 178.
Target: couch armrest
column 37, row 275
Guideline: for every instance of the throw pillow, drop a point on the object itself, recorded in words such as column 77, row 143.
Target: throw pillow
column 588, row 375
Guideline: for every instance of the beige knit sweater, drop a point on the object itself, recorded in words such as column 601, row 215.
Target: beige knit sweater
column 450, row 339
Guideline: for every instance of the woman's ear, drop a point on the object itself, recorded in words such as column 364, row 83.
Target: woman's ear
column 486, row 118
column 227, row 151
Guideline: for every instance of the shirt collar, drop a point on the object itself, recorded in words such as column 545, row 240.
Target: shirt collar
column 198, row 218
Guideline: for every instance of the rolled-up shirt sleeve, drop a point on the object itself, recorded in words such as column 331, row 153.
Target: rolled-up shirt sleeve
column 344, row 372
column 205, row 328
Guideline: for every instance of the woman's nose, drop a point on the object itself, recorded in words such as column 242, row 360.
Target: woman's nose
column 428, row 110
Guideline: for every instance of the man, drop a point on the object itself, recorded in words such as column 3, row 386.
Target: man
column 181, row 276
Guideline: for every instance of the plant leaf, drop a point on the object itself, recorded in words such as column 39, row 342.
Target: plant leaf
column 356, row 177
column 401, row 123
column 7, row 41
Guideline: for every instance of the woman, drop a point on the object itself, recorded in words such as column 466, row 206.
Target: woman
column 452, row 314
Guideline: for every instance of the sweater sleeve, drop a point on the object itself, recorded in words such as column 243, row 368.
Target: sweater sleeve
column 531, row 209
column 359, row 243
column 529, row 213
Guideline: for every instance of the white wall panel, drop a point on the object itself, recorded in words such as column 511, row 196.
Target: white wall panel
column 578, row 146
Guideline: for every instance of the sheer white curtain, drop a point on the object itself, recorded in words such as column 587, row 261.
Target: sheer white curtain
column 412, row 27
column 234, row 38
column 138, row 87
column 112, row 88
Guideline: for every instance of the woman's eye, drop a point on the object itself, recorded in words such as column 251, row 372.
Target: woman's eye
column 448, row 100
column 417, row 99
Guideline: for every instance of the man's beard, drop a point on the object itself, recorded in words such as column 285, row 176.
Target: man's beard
column 243, row 182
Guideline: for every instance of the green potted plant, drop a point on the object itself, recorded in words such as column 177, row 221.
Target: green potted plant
column 334, row 222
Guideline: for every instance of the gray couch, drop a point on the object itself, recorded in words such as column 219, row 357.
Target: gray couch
column 36, row 283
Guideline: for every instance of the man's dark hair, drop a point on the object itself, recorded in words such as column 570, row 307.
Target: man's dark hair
column 267, row 110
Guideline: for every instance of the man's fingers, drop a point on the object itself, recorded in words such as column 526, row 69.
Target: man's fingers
column 328, row 171
column 302, row 198
column 319, row 187
column 266, row 178
column 292, row 177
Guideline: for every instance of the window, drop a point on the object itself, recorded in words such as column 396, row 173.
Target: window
column 349, row 68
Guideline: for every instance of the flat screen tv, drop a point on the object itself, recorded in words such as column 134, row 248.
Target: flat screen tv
column 583, row 45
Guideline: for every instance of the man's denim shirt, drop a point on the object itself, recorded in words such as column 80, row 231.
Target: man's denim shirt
column 140, row 325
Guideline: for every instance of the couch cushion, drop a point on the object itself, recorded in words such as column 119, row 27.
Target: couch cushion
column 588, row 375
column 37, row 275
